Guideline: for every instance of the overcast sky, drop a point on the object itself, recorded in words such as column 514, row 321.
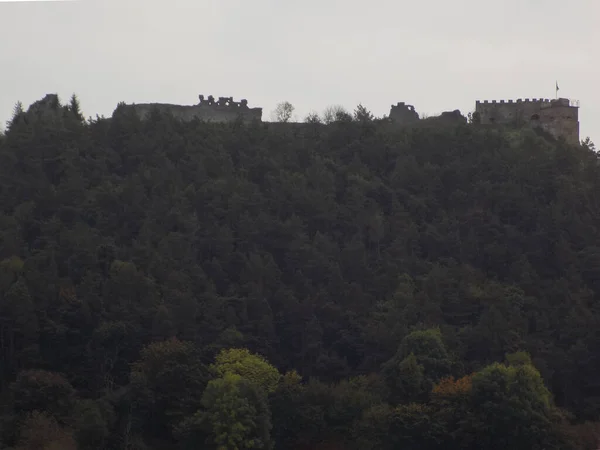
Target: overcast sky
column 435, row 54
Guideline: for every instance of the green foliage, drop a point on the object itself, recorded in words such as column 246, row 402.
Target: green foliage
column 39, row 390
column 414, row 425
column 430, row 352
column 92, row 422
column 20, row 326
column 373, row 430
column 335, row 249
column 251, row 367
column 518, row 359
column 521, row 408
column 42, row 432
column 235, row 416
column 422, row 360
column 167, row 383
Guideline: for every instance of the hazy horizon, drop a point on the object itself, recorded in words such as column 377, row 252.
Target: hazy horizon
column 434, row 55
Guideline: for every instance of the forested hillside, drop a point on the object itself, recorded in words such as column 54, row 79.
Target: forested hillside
column 169, row 285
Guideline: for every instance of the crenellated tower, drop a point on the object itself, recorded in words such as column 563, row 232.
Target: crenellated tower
column 559, row 117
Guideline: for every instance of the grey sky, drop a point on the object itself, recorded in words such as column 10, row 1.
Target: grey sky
column 437, row 54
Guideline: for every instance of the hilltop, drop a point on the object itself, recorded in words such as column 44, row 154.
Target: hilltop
column 428, row 286
column 558, row 117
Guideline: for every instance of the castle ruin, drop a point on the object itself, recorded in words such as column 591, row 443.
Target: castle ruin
column 403, row 113
column 208, row 109
column 559, row 117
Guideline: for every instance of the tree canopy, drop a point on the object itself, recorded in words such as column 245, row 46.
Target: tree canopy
column 429, row 286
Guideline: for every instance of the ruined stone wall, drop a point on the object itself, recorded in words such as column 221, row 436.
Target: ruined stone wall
column 209, row 110
column 559, row 117
column 448, row 118
column 403, row 114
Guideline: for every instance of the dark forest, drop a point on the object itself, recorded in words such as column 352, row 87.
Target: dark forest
column 168, row 285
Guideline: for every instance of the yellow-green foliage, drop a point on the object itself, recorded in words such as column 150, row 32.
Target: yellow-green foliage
column 228, row 413
column 252, row 367
column 14, row 264
column 522, row 382
column 292, row 378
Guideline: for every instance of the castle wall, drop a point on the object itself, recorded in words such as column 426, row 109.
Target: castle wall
column 221, row 111
column 557, row 117
column 505, row 112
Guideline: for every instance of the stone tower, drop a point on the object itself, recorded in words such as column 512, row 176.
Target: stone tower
column 558, row 117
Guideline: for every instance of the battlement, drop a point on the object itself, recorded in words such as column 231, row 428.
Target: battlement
column 223, row 102
column 537, row 101
column 519, row 100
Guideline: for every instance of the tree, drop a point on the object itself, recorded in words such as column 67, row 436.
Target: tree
column 415, row 426
column 372, row 432
column 42, row 432
column 362, row 114
column 92, row 423
column 312, row 117
column 513, row 409
column 40, row 390
column 75, row 108
column 452, row 405
column 429, row 350
column 235, row 416
column 587, row 142
column 119, row 233
column 283, row 112
column 17, row 114
column 286, row 404
column 350, row 399
column 421, row 361
column 167, row 383
column 19, row 327
column 405, row 379
column 336, row 113
column 252, row 367
column 450, row 388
